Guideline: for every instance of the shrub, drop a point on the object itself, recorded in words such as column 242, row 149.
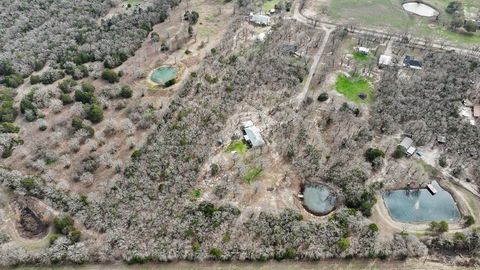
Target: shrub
column 226, row 237
column 454, row 6
column 469, row 220
column 63, row 224
column 74, row 235
column 67, row 85
column 443, row 161
column 215, row 252
column 7, row 112
column 471, row 26
column 170, row 82
column 214, row 169
column 439, row 227
column 51, row 76
column 52, row 238
column 372, row 153
column 196, row 246
column 290, row 253
column 77, row 123
column 110, row 75
column 34, row 79
column 196, row 193
column 6, row 68
column 14, row 80
column 323, row 97
column 7, row 127
column 88, row 87
column 27, row 183
column 66, row 99
column 211, row 79
column 95, row 113
column 207, row 208
column 399, row 152
column 85, row 97
column 126, row 91
column 373, row 227
column 136, row 155
column 343, row 244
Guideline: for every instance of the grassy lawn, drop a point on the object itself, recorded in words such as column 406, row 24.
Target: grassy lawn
column 361, row 57
column 252, row 174
column 351, row 87
column 389, row 14
column 238, row 145
column 268, row 4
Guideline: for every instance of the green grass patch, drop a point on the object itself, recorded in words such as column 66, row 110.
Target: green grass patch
column 360, row 57
column 238, row 145
column 252, row 174
column 352, row 87
column 389, row 15
column 196, row 193
column 267, row 5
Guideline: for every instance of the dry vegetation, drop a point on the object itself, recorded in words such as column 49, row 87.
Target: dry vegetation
column 100, row 167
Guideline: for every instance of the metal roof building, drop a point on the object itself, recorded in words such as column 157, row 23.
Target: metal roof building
column 260, row 19
column 252, row 134
column 363, row 50
column 476, row 111
column 385, row 60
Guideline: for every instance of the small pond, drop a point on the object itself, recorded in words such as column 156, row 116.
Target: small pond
column 319, row 199
column 420, row 9
column 163, row 74
column 420, row 206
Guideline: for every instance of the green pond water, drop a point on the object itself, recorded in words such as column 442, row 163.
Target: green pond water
column 419, row 206
column 319, row 199
column 163, row 75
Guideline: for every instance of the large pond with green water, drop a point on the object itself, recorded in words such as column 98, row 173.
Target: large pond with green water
column 163, row 74
column 319, row 199
column 420, row 206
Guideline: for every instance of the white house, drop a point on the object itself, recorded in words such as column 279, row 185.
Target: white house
column 363, row 50
column 258, row 19
column 251, row 134
column 385, row 60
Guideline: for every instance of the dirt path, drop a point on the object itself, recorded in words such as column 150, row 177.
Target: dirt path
column 316, row 60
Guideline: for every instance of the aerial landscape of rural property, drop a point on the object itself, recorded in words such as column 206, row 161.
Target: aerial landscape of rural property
column 240, row 134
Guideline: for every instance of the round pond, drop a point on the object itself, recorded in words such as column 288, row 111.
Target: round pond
column 319, row 199
column 163, row 74
column 420, row 9
column 420, row 206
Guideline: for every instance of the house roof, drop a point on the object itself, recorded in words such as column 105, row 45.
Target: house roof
column 260, row 19
column 476, row 111
column 253, row 136
column 411, row 150
column 289, row 48
column 411, row 62
column 385, row 60
column 406, row 142
column 467, row 103
column 247, row 124
column 363, row 50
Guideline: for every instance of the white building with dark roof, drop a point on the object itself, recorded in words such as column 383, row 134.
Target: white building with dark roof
column 362, row 50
